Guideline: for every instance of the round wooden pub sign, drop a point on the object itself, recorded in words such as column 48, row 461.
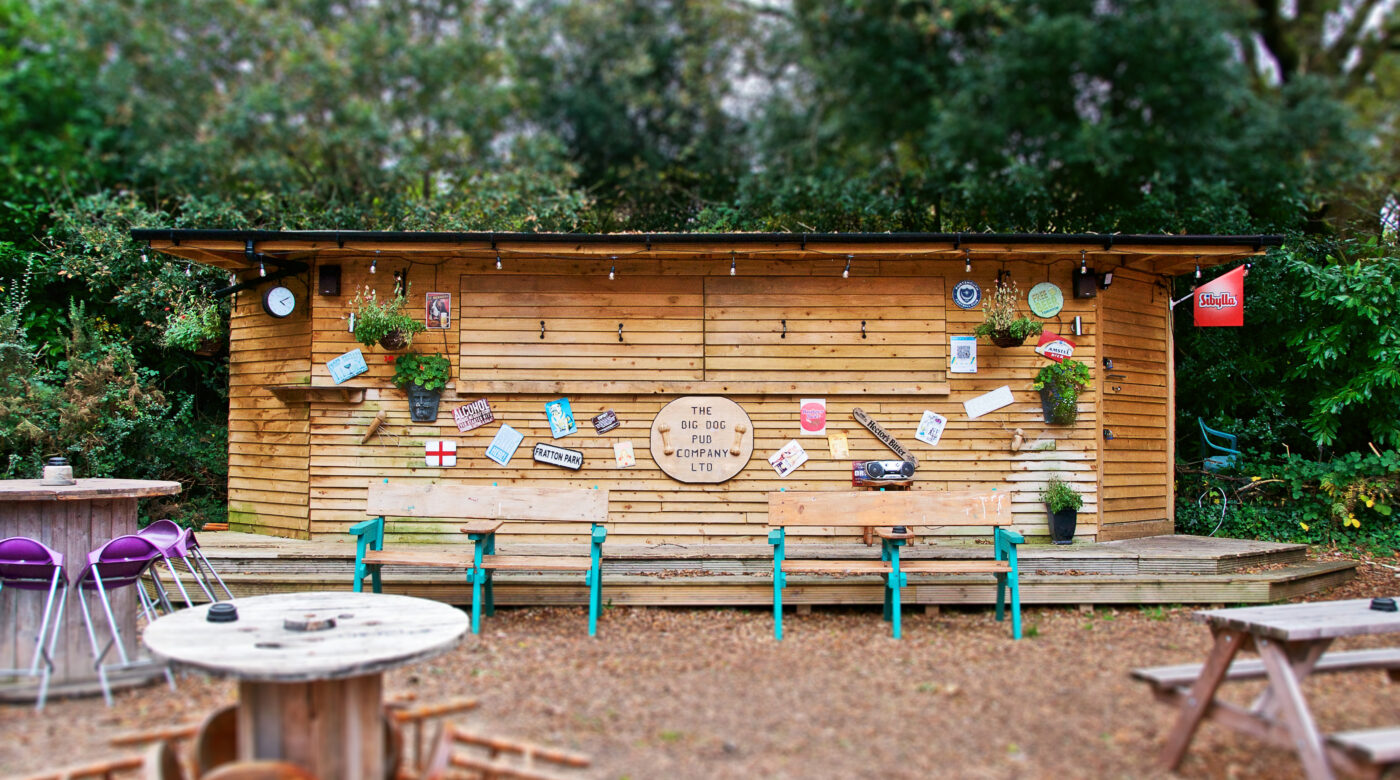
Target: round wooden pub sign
column 702, row 438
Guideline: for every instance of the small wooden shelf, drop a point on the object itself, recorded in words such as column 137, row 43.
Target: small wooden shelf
column 701, row 387
column 302, row 393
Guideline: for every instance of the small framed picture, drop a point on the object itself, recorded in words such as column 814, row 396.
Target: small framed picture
column 439, row 315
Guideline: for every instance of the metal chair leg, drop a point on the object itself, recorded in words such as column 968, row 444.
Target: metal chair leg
column 205, row 561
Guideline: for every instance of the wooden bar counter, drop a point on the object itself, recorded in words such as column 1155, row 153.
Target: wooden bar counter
column 74, row 520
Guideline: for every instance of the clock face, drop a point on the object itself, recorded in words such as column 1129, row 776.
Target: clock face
column 279, row 301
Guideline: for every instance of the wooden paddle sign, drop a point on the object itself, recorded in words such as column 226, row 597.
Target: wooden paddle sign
column 884, row 436
column 702, row 438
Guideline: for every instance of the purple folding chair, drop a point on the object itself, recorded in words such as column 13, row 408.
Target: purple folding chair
column 118, row 564
column 28, row 565
column 177, row 542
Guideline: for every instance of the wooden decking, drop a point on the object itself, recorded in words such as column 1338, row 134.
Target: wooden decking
column 1155, row 570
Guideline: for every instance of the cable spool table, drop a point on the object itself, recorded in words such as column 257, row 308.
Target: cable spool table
column 310, row 669
column 73, row 520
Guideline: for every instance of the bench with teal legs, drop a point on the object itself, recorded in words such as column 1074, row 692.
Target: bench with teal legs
column 486, row 508
column 908, row 510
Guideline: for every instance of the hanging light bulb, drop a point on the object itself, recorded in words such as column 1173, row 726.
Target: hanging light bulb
column 262, row 269
column 733, row 269
column 143, row 257
column 1198, row 266
column 967, row 261
column 612, row 272
column 846, row 273
column 1083, row 262
column 188, row 270
column 374, row 264
column 498, row 261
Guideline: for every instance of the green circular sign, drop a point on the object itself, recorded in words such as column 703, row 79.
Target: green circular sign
column 1045, row 300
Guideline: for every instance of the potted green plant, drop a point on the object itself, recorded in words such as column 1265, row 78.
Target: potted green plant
column 1059, row 385
column 386, row 322
column 1062, row 504
column 423, row 377
column 1001, row 321
column 196, row 324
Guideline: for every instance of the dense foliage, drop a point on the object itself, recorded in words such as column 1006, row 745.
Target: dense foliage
column 818, row 115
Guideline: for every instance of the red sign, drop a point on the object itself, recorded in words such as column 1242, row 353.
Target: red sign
column 1054, row 347
column 1221, row 303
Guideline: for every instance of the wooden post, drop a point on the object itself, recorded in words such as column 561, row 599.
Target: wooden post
column 332, row 728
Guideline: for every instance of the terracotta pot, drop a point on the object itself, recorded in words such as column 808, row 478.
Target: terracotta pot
column 1062, row 525
column 423, row 403
column 394, row 340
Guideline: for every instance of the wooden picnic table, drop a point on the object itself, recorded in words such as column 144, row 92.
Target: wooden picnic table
column 312, row 697
column 1292, row 642
column 73, row 520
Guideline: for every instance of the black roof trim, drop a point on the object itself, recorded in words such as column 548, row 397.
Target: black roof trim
column 1108, row 240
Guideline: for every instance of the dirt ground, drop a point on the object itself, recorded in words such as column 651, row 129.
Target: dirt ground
column 708, row 693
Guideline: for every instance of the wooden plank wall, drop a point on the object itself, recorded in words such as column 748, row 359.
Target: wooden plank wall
column 647, row 507
column 269, row 441
column 1138, row 408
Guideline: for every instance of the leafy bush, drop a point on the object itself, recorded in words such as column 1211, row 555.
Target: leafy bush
column 429, row 372
column 1349, row 500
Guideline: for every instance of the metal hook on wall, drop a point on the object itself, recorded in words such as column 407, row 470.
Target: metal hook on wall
column 784, row 334
column 541, row 328
column 862, row 329
column 619, row 332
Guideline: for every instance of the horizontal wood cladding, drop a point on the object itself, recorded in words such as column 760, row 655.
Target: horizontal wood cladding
column 297, row 464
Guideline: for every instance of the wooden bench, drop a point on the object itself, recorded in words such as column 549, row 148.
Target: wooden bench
column 1169, row 681
column 1371, row 752
column 488, row 508
column 910, row 509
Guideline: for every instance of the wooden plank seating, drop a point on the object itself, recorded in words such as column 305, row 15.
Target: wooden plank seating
column 1372, row 751
column 1167, row 679
column 927, row 509
column 487, row 508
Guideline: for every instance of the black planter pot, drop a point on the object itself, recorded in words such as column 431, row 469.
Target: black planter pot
column 423, row 404
column 1062, row 525
column 1006, row 340
column 1049, row 407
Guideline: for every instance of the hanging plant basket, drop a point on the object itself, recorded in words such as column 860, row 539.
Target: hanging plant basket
column 211, row 347
column 394, row 340
column 1007, row 340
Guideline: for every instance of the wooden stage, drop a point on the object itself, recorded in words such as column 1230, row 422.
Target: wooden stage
column 1152, row 570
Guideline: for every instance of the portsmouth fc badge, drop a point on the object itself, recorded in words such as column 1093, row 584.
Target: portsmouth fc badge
column 966, row 294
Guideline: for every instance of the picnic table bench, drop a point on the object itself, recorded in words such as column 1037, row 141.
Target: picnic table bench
column 487, row 508
column 1292, row 641
column 927, row 509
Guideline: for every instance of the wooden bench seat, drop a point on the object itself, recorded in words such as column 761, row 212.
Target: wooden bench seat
column 486, row 508
column 1166, row 678
column 912, row 510
column 1374, row 750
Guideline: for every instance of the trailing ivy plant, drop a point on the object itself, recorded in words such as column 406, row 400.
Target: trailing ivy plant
column 1065, row 380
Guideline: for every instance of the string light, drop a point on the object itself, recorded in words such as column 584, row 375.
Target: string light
column 1083, row 261
column 612, row 272
column 262, row 269
column 967, row 261
column 188, row 270
column 846, row 274
column 143, row 257
column 498, row 261
column 374, row 263
column 733, row 269
column 1198, row 266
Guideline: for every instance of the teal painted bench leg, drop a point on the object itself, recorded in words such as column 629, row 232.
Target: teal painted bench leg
column 885, row 556
column 477, row 576
column 777, row 538
column 369, row 535
column 895, row 581
column 1001, row 595
column 1004, row 543
column 595, row 578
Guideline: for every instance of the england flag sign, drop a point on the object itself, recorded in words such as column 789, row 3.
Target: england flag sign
column 440, row 453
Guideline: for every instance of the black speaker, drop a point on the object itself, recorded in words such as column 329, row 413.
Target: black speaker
column 329, row 281
column 1086, row 285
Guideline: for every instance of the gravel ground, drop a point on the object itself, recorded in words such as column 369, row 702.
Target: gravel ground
column 700, row 693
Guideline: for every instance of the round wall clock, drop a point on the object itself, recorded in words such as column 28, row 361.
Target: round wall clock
column 966, row 294
column 279, row 301
column 1045, row 300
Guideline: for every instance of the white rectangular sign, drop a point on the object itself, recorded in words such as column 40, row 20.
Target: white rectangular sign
column 559, row 456
column 988, row 402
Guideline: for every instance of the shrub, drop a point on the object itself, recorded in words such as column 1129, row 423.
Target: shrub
column 193, row 321
column 1059, row 496
column 429, row 372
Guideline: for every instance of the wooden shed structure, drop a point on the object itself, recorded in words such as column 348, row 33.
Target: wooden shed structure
column 631, row 322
